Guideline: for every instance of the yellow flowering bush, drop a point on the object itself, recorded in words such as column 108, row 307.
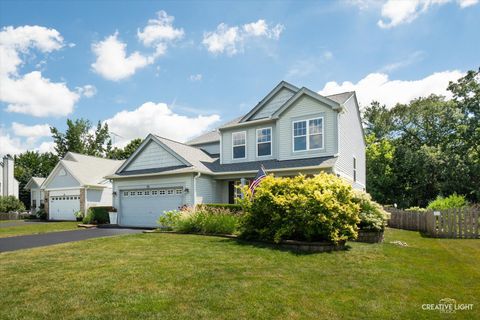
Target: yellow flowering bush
column 319, row 208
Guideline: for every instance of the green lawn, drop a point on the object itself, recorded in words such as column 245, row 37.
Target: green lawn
column 36, row 228
column 171, row 276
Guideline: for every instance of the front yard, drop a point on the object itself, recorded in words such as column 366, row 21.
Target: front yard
column 34, row 227
column 168, row 276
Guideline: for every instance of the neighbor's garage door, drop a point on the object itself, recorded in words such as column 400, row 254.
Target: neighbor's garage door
column 142, row 208
column 63, row 207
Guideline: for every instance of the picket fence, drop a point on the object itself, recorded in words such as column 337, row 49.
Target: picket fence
column 454, row 223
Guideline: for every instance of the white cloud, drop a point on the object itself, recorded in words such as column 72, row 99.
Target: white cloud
column 396, row 12
column 231, row 40
column 308, row 65
column 410, row 59
column 195, row 77
column 87, row 90
column 158, row 118
column 378, row 87
column 36, row 131
column 159, row 30
column 47, row 146
column 10, row 145
column 112, row 61
column 31, row 93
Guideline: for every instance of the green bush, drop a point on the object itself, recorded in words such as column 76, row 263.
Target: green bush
column 234, row 208
column 96, row 215
column 10, row 203
column 372, row 215
column 204, row 221
column 416, row 209
column 41, row 214
column 451, row 202
column 321, row 208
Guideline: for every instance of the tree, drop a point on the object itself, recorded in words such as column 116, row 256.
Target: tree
column 120, row 154
column 80, row 138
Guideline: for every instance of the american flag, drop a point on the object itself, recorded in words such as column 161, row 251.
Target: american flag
column 258, row 178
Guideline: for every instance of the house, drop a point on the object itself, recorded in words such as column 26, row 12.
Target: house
column 8, row 184
column 36, row 193
column 76, row 183
column 290, row 131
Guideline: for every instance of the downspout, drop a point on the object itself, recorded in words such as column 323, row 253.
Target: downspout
column 195, row 188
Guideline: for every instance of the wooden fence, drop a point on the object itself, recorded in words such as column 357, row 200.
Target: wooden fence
column 454, row 223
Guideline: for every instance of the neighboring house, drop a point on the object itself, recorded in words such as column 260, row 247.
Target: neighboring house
column 76, row 183
column 8, row 184
column 291, row 131
column 36, row 194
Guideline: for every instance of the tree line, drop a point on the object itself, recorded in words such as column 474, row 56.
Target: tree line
column 426, row 148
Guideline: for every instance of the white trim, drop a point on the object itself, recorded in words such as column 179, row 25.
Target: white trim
column 245, row 145
column 271, row 142
column 68, row 188
column 307, row 134
column 221, row 149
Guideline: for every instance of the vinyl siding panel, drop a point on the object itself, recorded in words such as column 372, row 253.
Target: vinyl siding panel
column 99, row 197
column 206, row 190
column 62, row 181
column 227, row 152
column 307, row 108
column 179, row 180
column 153, row 156
column 273, row 105
column 351, row 144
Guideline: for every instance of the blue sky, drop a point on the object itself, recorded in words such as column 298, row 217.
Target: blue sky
column 198, row 64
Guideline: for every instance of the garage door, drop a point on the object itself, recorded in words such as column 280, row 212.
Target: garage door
column 63, row 207
column 142, row 208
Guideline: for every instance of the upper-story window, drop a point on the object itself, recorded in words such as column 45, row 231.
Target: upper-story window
column 239, row 145
column 308, row 134
column 264, row 142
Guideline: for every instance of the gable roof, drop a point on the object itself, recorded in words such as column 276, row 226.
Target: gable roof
column 34, row 182
column 211, row 136
column 342, row 97
column 87, row 170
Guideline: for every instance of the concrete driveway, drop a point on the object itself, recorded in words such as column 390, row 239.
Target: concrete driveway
column 46, row 239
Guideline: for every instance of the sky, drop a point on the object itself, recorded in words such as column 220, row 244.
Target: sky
column 179, row 68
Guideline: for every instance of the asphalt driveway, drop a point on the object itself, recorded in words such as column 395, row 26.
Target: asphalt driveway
column 46, row 239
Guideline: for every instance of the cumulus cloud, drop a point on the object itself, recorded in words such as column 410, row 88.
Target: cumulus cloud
column 378, row 87
column 231, row 40
column 87, row 91
column 31, row 93
column 158, row 118
column 395, row 12
column 195, row 77
column 10, row 145
column 37, row 131
column 112, row 61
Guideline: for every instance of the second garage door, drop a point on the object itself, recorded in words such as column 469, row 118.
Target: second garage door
column 142, row 208
column 63, row 207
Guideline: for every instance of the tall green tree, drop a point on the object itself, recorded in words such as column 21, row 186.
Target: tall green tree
column 123, row 153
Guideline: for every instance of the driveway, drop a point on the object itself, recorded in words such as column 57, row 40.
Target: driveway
column 47, row 239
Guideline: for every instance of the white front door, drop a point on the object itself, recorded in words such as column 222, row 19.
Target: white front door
column 63, row 207
column 143, row 207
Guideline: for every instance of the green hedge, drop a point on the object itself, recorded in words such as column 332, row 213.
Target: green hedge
column 10, row 203
column 451, row 202
column 372, row 215
column 234, row 208
column 97, row 215
column 321, row 208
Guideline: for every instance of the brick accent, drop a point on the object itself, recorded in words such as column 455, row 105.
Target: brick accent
column 46, row 204
column 82, row 200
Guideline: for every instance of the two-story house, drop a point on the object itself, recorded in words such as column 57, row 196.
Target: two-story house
column 290, row 131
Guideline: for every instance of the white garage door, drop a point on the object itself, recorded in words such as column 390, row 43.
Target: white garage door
column 142, row 208
column 63, row 207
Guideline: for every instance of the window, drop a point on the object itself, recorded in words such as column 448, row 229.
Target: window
column 239, row 145
column 161, row 192
column 139, row 193
column 178, row 191
column 354, row 169
column 154, row 192
column 147, row 193
column 264, row 142
column 125, row 193
column 132, row 193
column 308, row 134
column 170, row 191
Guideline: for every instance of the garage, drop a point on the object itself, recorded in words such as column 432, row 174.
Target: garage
column 63, row 207
column 143, row 207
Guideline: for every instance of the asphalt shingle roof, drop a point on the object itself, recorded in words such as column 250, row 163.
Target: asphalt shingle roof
column 340, row 97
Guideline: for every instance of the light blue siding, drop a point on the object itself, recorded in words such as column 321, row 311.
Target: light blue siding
column 62, row 181
column 271, row 106
column 211, row 148
column 307, row 108
column 153, row 156
column 206, row 190
column 351, row 145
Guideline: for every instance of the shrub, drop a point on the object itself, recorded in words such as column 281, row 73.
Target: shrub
column 233, row 208
column 78, row 215
column 321, row 208
column 205, row 221
column 97, row 215
column 41, row 214
column 372, row 215
column 10, row 203
column 416, row 209
column 450, row 202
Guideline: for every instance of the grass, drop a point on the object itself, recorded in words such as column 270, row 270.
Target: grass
column 172, row 276
column 36, row 228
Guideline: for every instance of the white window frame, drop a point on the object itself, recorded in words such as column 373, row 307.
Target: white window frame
column 271, row 142
column 308, row 134
column 244, row 145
